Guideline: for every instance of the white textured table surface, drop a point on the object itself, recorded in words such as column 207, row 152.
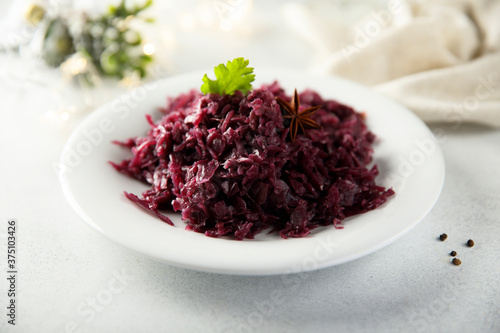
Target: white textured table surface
column 71, row 279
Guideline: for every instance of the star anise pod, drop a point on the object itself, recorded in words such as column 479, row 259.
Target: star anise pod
column 299, row 119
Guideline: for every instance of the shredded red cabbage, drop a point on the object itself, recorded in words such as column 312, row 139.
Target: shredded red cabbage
column 227, row 163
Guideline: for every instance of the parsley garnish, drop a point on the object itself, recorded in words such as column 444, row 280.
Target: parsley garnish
column 235, row 75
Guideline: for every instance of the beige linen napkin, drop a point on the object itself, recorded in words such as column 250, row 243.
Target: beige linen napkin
column 440, row 58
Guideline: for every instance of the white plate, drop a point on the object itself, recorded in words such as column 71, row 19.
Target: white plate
column 406, row 152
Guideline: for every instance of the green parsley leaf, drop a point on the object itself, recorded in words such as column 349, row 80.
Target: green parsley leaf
column 234, row 76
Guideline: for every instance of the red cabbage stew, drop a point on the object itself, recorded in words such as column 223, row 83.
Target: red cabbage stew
column 228, row 165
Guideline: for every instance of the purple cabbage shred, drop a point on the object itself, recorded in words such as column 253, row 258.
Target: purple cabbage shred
column 228, row 165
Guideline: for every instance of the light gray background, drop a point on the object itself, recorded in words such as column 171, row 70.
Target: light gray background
column 64, row 266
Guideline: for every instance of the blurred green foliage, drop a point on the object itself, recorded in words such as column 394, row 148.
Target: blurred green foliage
column 107, row 41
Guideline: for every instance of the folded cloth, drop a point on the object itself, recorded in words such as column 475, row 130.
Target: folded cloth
column 440, row 58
